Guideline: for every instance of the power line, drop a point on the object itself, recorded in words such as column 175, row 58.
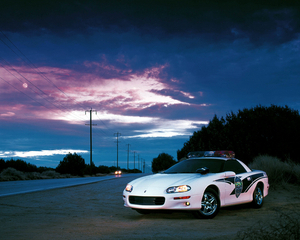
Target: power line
column 31, row 84
column 34, row 67
column 103, row 123
column 26, row 80
column 31, row 65
column 42, row 97
column 23, row 93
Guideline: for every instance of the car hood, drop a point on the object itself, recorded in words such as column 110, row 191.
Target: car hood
column 158, row 183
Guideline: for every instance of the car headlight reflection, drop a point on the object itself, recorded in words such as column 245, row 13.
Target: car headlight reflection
column 128, row 188
column 179, row 189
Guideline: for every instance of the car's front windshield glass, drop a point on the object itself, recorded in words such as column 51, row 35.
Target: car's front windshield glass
column 191, row 165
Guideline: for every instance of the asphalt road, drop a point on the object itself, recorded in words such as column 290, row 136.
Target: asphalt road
column 95, row 211
column 26, row 186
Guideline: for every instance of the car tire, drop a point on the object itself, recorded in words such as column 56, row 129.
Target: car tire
column 210, row 205
column 258, row 196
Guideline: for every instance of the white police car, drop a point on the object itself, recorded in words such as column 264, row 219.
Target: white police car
column 202, row 183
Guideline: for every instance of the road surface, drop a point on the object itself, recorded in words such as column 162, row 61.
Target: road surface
column 26, row 186
column 95, row 211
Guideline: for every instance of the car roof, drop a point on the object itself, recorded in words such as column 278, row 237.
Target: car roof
column 218, row 158
column 205, row 154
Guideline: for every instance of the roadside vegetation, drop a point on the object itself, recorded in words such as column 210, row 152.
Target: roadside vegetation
column 273, row 131
column 279, row 172
column 11, row 174
column 72, row 165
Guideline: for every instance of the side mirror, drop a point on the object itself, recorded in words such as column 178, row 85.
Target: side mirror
column 203, row 170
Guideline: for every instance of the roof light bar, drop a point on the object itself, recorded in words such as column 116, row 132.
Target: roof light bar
column 196, row 154
column 222, row 153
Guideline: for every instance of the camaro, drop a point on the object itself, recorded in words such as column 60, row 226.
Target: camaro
column 203, row 183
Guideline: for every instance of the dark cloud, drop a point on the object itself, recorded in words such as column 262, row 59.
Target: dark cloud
column 273, row 21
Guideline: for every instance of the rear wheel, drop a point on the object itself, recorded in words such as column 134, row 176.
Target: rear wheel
column 258, row 196
column 210, row 205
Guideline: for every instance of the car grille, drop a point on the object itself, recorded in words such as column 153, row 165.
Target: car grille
column 146, row 200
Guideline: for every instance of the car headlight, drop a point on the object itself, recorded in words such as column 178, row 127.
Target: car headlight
column 128, row 188
column 179, row 189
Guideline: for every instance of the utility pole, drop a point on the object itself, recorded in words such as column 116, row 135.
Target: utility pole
column 91, row 161
column 128, row 156
column 134, row 159
column 117, row 134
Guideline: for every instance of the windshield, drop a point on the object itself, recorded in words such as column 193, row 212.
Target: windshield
column 191, row 165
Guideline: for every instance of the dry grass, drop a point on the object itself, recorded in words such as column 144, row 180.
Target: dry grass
column 11, row 174
column 279, row 172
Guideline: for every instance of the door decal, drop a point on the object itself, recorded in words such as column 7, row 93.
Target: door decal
column 238, row 186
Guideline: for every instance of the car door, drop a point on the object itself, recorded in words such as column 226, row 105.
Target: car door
column 235, row 186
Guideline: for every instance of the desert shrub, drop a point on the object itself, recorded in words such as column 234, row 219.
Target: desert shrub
column 287, row 226
column 32, row 175
column 73, row 164
column 278, row 172
column 49, row 174
column 11, row 174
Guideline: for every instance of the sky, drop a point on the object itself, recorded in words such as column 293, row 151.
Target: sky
column 148, row 73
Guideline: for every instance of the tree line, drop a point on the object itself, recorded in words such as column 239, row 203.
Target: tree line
column 21, row 165
column 72, row 164
column 273, row 131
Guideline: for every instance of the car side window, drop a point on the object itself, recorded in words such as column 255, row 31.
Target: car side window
column 235, row 166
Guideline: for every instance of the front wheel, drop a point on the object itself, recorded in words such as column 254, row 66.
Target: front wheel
column 210, row 205
column 258, row 196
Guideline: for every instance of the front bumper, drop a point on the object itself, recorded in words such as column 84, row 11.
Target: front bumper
column 176, row 201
